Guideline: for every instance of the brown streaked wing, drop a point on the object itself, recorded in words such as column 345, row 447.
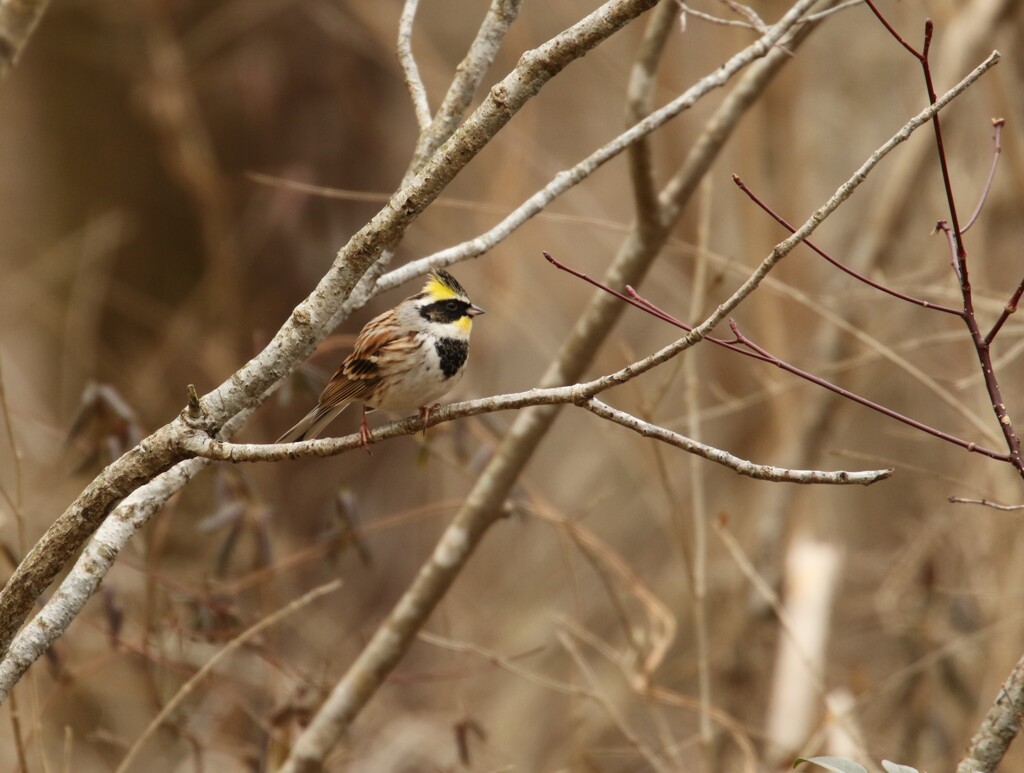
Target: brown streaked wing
column 340, row 389
column 381, row 352
column 359, row 374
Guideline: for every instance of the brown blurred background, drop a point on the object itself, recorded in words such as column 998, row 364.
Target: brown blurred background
column 138, row 252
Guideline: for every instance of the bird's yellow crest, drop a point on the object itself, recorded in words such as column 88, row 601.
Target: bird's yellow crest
column 442, row 285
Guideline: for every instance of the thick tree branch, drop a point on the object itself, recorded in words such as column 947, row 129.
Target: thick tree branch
column 483, row 505
column 312, row 319
column 468, row 76
column 90, row 569
column 61, row 541
column 1001, row 724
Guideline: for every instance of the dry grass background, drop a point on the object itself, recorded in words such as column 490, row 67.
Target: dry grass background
column 137, row 253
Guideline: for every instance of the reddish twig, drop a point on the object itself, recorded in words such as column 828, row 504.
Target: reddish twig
column 1009, row 308
column 743, row 345
column 841, row 266
column 922, row 57
column 966, row 444
column 997, row 150
column 635, row 300
column 954, row 234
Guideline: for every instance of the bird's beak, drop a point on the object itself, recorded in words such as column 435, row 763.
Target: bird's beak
column 473, row 310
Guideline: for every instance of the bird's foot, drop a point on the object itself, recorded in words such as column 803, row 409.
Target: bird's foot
column 364, row 434
column 425, row 412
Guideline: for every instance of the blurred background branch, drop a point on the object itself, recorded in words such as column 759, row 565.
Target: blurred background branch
column 139, row 255
column 18, row 19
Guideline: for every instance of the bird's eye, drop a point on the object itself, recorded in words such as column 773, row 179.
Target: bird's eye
column 453, row 305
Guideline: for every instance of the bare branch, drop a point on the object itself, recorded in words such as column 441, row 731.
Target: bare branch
column 92, row 566
column 579, row 394
column 985, row 503
column 186, row 689
column 639, row 103
column 997, row 150
column 653, row 759
column 999, row 728
column 698, row 160
column 413, row 81
column 468, row 76
column 312, row 319
column 686, row 10
column 484, row 503
column 842, row 267
column 743, row 467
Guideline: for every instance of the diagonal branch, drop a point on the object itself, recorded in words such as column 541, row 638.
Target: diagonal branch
column 757, row 471
column 312, row 319
column 484, row 503
column 468, row 76
column 1001, row 724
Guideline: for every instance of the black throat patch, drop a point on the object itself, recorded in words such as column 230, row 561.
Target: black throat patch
column 453, row 354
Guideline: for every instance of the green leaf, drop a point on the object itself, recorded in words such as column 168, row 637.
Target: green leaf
column 835, row 764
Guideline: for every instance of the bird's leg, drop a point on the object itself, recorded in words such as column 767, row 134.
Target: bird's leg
column 425, row 411
column 364, row 433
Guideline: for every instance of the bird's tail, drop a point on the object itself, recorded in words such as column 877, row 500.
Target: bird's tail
column 312, row 424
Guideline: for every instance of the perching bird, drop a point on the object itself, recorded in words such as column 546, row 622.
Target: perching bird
column 406, row 358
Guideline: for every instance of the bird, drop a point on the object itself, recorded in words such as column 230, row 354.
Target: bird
column 404, row 359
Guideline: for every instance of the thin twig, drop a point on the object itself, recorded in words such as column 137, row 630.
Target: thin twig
column 312, row 320
column 743, row 345
column 482, row 507
column 997, row 149
column 653, row 759
column 818, row 16
column 411, row 71
column 922, row 58
column 186, row 689
column 748, row 13
column 503, row 662
column 966, row 444
column 686, row 10
column 468, row 76
column 757, row 471
column 842, row 267
column 985, row 502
